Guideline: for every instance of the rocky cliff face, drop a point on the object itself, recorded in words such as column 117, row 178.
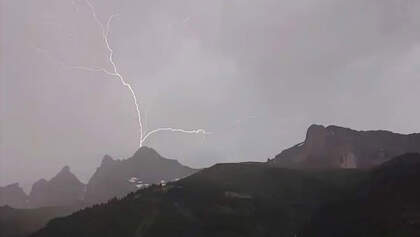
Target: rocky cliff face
column 64, row 189
column 12, row 195
column 116, row 178
column 338, row 147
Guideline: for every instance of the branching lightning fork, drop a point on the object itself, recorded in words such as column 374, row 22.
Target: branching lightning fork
column 115, row 73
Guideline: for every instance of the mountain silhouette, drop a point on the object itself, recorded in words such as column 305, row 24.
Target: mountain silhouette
column 257, row 199
column 338, row 147
column 12, row 195
column 64, row 189
column 65, row 194
column 116, row 178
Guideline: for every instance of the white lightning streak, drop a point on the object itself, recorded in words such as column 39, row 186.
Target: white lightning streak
column 105, row 32
column 197, row 131
column 115, row 72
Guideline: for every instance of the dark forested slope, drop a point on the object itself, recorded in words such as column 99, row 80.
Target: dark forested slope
column 254, row 199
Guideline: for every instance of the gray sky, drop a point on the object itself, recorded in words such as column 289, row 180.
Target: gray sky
column 255, row 73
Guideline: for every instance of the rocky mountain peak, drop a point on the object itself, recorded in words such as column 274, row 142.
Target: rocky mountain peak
column 65, row 177
column 146, row 165
column 107, row 160
column 146, row 152
column 65, row 170
column 63, row 189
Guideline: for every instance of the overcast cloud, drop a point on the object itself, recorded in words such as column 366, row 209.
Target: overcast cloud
column 255, row 73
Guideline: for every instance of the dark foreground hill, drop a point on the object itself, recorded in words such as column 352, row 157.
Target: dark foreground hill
column 22, row 222
column 254, row 199
column 387, row 204
column 338, row 147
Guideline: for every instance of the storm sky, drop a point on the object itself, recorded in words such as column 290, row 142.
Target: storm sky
column 255, row 73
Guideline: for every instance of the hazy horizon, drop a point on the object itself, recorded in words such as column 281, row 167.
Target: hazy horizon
column 255, row 74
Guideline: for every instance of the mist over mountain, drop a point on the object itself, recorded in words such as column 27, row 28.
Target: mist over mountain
column 329, row 178
column 14, row 196
column 64, row 189
column 113, row 178
column 65, row 194
column 324, row 147
column 338, row 147
column 22, row 214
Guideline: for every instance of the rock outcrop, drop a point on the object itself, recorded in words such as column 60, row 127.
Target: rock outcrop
column 338, row 147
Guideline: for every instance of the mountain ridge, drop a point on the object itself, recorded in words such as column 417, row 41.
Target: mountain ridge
column 14, row 196
column 64, row 189
column 256, row 199
column 46, row 192
column 339, row 147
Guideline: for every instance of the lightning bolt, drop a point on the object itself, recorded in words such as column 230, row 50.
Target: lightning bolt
column 105, row 33
column 115, row 73
column 176, row 130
